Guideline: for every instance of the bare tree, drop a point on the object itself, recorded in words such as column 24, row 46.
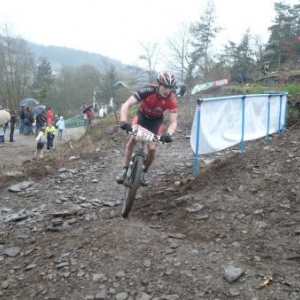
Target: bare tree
column 108, row 80
column 16, row 68
column 73, row 86
column 179, row 47
column 150, row 58
column 203, row 32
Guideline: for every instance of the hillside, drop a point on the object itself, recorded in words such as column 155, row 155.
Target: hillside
column 231, row 233
column 62, row 56
column 280, row 78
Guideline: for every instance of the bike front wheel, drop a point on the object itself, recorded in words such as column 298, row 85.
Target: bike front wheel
column 134, row 183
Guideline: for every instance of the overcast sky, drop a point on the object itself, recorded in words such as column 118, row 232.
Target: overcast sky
column 115, row 28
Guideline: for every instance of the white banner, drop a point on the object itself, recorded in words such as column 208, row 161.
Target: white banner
column 207, row 85
column 221, row 120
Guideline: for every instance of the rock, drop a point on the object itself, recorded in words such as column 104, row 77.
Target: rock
column 232, row 273
column 14, row 174
column 21, row 186
column 121, row 296
column 12, row 251
column 177, row 236
column 102, row 295
column 194, row 208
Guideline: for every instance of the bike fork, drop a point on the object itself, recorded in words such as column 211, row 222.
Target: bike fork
column 129, row 171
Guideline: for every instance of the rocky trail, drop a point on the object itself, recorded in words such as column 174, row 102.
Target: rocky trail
column 231, row 233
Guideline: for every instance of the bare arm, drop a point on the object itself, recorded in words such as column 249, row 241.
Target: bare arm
column 126, row 107
column 173, row 124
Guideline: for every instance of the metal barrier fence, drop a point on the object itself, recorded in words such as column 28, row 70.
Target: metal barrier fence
column 74, row 122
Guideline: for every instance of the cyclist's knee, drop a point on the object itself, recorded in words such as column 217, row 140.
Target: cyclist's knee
column 151, row 152
column 152, row 147
column 130, row 145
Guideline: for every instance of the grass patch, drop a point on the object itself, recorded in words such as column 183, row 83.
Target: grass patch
column 293, row 117
column 293, row 89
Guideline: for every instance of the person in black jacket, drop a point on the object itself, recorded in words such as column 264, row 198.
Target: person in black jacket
column 13, row 120
column 39, row 122
column 22, row 120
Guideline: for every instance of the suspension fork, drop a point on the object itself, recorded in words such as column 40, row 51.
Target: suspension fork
column 140, row 151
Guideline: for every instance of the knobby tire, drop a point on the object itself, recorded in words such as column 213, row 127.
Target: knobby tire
column 133, row 185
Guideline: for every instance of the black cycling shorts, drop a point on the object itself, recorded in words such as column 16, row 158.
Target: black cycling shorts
column 40, row 145
column 154, row 125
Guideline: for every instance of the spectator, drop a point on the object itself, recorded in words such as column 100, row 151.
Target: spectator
column 60, row 125
column 1, row 135
column 90, row 117
column 50, row 131
column 265, row 69
column 13, row 120
column 83, row 106
column 39, row 122
column 50, row 116
column 40, row 142
column 111, row 105
column 180, row 90
column 28, row 121
column 6, row 126
column 95, row 106
column 105, row 111
column 22, row 120
column 101, row 112
column 56, row 119
column 85, row 120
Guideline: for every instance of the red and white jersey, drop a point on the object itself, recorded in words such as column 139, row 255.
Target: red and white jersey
column 154, row 106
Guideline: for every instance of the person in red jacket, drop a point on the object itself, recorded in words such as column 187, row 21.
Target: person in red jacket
column 153, row 101
column 50, row 116
column 90, row 117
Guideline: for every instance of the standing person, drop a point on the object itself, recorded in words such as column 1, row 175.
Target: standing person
column 84, row 114
column 105, row 111
column 1, row 135
column 13, row 120
column 28, row 121
column 83, row 106
column 56, row 118
column 95, row 106
column 85, row 119
column 50, row 131
column 40, row 142
column 111, row 105
column 6, row 125
column 39, row 122
column 22, row 120
column 50, row 116
column 101, row 112
column 60, row 125
column 153, row 101
column 90, row 117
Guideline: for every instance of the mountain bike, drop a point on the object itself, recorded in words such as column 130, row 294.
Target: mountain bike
column 135, row 169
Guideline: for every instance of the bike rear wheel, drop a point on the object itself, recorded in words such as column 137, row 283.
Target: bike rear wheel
column 134, row 183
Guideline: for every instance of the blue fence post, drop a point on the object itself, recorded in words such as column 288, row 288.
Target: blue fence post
column 286, row 113
column 242, row 147
column 279, row 121
column 196, row 165
column 268, row 120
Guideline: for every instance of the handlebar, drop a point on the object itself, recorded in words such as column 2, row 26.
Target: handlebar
column 144, row 134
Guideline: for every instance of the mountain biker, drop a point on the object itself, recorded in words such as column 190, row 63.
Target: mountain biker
column 153, row 101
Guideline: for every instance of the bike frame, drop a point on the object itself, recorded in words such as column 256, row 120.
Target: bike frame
column 140, row 151
column 134, row 172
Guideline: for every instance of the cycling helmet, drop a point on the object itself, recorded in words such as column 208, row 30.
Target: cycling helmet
column 167, row 79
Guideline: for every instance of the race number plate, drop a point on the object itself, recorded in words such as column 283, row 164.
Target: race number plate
column 144, row 134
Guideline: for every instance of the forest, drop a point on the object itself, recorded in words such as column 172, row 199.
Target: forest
column 23, row 73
